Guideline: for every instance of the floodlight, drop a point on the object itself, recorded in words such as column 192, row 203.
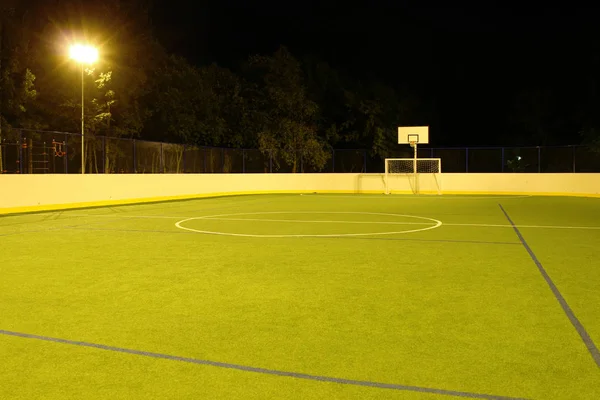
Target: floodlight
column 83, row 54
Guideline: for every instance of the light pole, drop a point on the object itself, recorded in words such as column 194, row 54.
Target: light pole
column 83, row 54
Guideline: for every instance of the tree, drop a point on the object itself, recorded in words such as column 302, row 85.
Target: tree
column 175, row 95
column 205, row 105
column 328, row 88
column 358, row 114
column 285, row 118
column 376, row 110
column 223, row 109
column 17, row 90
column 99, row 123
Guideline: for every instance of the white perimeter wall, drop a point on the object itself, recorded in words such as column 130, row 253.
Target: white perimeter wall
column 18, row 191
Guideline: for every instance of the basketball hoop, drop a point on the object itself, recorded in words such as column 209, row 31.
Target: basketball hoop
column 413, row 144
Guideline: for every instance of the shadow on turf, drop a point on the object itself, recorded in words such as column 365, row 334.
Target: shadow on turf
column 51, row 215
column 114, row 206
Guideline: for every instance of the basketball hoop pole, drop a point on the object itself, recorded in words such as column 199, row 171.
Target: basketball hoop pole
column 413, row 135
column 414, row 145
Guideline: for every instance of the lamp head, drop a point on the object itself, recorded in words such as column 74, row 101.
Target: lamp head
column 83, row 54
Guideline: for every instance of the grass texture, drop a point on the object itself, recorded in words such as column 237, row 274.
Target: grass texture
column 301, row 297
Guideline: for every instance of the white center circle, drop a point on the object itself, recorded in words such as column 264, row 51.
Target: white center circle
column 430, row 222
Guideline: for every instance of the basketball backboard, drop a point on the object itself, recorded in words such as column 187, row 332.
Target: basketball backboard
column 418, row 134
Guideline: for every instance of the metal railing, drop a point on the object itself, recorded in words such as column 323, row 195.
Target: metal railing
column 38, row 152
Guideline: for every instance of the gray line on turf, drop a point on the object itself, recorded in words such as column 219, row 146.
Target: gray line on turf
column 84, row 228
column 589, row 343
column 103, row 222
column 50, row 216
column 259, row 370
column 22, row 232
column 427, row 240
column 207, row 218
column 46, row 217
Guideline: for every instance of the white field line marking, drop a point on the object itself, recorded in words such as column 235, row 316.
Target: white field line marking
column 334, row 212
column 178, row 224
column 314, row 221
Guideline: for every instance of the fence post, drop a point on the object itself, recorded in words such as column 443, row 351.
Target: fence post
column 467, row 159
column 66, row 163
column 204, row 152
column 20, row 151
column 183, row 160
column 271, row 162
column 134, row 157
column 30, row 155
column 502, row 160
column 432, row 152
column 573, row 150
column 243, row 161
column 223, row 160
column 104, row 155
column 162, row 159
column 333, row 161
column 539, row 159
column 364, row 161
column 301, row 164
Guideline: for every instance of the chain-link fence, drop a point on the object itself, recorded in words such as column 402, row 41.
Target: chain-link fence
column 43, row 152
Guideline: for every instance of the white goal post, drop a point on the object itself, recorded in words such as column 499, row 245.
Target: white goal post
column 417, row 175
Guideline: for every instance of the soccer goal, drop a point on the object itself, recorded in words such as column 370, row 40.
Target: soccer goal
column 419, row 175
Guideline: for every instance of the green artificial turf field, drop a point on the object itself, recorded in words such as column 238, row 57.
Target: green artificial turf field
column 304, row 297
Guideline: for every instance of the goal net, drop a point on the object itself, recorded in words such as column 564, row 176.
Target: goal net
column 416, row 175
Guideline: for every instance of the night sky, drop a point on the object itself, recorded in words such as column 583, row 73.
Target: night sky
column 467, row 61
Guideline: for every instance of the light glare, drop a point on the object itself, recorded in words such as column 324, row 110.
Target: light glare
column 83, row 54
